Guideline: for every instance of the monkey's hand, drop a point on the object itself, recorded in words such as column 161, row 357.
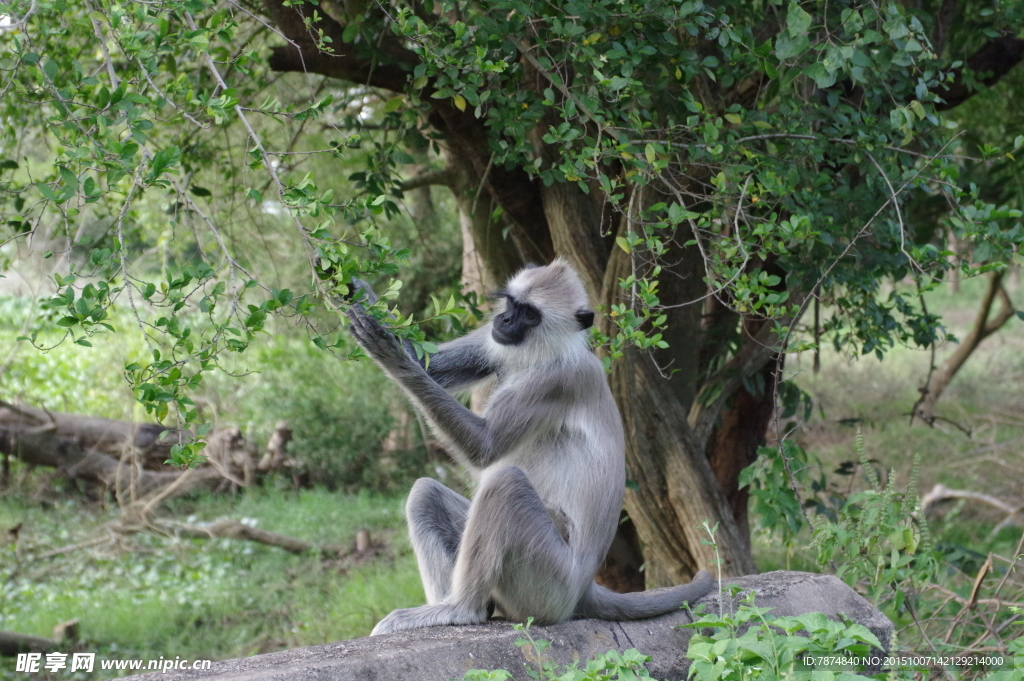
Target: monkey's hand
column 361, row 291
column 379, row 343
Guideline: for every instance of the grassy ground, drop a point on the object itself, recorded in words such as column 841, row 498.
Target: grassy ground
column 204, row 598
column 986, row 398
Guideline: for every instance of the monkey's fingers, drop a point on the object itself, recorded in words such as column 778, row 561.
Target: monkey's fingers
column 378, row 342
column 357, row 325
column 360, row 290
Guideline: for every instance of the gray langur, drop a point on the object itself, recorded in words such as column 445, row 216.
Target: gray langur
column 547, row 454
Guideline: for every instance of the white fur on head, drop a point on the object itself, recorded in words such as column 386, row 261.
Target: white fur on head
column 555, row 287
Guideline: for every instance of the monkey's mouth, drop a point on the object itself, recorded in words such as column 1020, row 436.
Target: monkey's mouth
column 503, row 338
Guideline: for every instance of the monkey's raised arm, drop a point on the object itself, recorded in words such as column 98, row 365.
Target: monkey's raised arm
column 480, row 440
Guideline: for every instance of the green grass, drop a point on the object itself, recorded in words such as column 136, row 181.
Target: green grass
column 150, row 595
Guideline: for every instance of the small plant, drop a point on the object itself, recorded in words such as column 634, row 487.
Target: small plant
column 879, row 538
column 753, row 644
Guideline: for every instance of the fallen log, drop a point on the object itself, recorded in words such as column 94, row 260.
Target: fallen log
column 52, row 439
column 233, row 529
column 126, row 456
column 11, row 644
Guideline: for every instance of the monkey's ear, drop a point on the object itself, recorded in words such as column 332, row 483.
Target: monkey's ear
column 585, row 318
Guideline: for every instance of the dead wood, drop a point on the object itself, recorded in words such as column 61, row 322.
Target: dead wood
column 233, row 529
column 129, row 457
column 942, row 493
column 983, row 327
column 53, row 440
column 11, row 644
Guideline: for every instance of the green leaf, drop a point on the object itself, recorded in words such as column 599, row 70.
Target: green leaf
column 69, row 177
column 797, row 20
column 162, row 160
column 787, row 47
column 47, row 192
column 650, row 154
column 821, row 75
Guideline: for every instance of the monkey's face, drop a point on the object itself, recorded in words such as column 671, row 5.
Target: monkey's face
column 547, row 304
column 512, row 326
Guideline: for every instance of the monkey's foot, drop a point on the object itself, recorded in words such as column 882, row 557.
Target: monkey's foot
column 435, row 614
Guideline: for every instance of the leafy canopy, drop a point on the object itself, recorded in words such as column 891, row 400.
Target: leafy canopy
column 782, row 141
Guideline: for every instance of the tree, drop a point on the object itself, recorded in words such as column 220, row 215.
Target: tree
column 711, row 169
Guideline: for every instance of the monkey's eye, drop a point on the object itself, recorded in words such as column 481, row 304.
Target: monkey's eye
column 532, row 315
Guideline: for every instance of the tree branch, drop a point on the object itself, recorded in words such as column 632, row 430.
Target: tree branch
column 943, row 22
column 982, row 329
column 712, row 398
column 389, row 67
column 444, row 177
column 233, row 529
column 989, row 64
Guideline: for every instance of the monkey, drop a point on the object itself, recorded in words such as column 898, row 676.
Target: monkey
column 547, row 454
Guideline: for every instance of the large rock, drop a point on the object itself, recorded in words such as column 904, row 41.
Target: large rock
column 441, row 653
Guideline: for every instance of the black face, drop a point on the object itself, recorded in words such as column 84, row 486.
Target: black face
column 512, row 326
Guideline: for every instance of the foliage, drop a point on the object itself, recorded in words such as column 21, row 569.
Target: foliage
column 879, row 535
column 754, row 644
column 339, row 413
column 755, row 185
column 772, row 501
column 156, row 128
column 878, row 540
column 876, row 534
column 127, row 142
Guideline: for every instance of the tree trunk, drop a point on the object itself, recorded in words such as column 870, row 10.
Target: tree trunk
column 673, row 452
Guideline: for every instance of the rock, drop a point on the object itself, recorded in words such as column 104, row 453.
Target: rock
column 441, row 653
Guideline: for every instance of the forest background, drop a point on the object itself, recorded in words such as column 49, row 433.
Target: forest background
column 756, row 195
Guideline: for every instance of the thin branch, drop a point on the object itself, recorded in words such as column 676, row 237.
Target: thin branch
column 20, row 23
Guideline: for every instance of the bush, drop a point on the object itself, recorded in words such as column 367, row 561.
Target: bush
column 339, row 411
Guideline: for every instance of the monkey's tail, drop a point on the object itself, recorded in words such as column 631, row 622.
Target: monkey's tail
column 604, row 604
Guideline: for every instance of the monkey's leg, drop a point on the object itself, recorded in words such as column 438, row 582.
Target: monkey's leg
column 511, row 551
column 436, row 517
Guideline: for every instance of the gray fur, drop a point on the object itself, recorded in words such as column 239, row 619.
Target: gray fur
column 548, row 456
